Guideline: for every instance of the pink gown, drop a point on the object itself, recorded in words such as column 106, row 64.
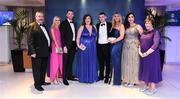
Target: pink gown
column 56, row 58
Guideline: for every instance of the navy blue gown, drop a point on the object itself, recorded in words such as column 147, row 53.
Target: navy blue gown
column 87, row 59
column 116, row 51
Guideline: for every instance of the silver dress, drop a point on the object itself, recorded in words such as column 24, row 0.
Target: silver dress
column 130, row 57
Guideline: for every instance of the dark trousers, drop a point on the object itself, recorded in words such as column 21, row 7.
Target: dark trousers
column 48, row 67
column 39, row 66
column 104, row 59
column 68, row 59
column 162, row 55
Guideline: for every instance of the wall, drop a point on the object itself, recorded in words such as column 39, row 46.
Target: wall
column 30, row 18
column 7, row 34
column 4, row 44
column 3, row 8
column 173, row 47
column 4, row 41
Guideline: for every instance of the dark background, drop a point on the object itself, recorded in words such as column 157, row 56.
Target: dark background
column 93, row 7
column 173, row 18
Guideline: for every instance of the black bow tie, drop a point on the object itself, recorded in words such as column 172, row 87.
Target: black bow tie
column 71, row 22
column 103, row 24
column 42, row 25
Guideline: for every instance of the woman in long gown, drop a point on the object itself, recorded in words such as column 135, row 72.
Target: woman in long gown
column 150, row 68
column 86, row 53
column 130, row 57
column 117, row 33
column 56, row 55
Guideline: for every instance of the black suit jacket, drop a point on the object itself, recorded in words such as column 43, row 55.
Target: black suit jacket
column 109, row 25
column 37, row 42
column 67, row 33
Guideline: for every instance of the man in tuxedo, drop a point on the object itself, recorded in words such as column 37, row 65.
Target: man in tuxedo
column 68, row 37
column 39, row 48
column 103, row 47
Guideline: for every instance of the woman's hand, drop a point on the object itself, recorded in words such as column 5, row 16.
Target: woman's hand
column 144, row 54
column 140, row 53
column 59, row 50
column 113, row 41
column 82, row 47
column 148, row 52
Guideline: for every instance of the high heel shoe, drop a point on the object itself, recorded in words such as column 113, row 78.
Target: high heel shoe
column 151, row 92
column 53, row 83
column 59, row 82
column 143, row 89
column 126, row 84
column 131, row 85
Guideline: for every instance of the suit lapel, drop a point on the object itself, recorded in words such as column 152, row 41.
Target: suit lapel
column 38, row 27
column 108, row 27
column 98, row 25
column 69, row 26
column 41, row 31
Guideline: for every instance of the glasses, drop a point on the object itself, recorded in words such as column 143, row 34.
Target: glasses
column 57, row 20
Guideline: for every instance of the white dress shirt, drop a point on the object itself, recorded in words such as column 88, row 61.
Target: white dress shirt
column 73, row 29
column 103, row 34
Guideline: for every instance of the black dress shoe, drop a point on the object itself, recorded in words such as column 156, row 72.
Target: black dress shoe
column 106, row 80
column 65, row 82
column 73, row 79
column 46, row 83
column 39, row 88
column 100, row 78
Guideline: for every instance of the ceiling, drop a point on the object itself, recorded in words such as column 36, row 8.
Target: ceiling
column 42, row 2
column 161, row 2
column 22, row 2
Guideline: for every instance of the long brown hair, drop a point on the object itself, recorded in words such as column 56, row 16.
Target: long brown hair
column 84, row 18
column 126, row 22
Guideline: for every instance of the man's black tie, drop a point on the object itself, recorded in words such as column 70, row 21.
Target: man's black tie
column 42, row 25
column 71, row 22
column 102, row 24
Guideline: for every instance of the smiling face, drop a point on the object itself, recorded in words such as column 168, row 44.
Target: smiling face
column 148, row 25
column 131, row 18
column 116, row 18
column 39, row 17
column 70, row 15
column 88, row 20
column 57, row 21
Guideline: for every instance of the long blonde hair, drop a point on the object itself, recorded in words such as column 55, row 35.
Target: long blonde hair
column 54, row 20
column 113, row 20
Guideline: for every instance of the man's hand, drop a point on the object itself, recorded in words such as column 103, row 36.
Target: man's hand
column 33, row 55
column 65, row 50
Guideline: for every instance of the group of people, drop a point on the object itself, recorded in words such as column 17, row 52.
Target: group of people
column 109, row 50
